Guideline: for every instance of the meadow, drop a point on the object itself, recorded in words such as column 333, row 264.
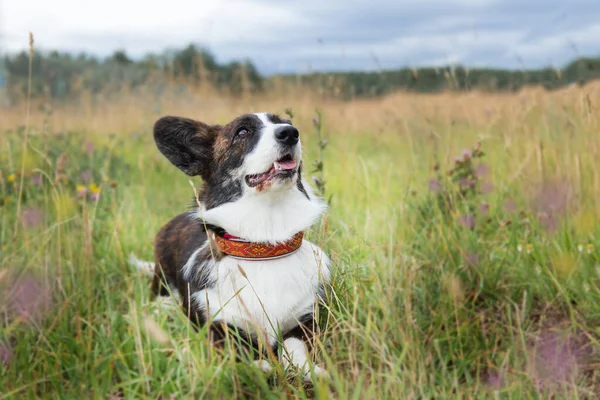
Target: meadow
column 462, row 229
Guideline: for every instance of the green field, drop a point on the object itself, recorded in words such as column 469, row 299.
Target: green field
column 469, row 278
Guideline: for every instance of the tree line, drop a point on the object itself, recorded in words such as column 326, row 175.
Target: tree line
column 59, row 75
column 456, row 78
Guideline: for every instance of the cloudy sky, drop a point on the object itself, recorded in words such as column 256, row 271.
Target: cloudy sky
column 297, row 35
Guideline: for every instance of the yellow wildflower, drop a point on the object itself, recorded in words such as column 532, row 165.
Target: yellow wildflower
column 80, row 188
column 11, row 178
column 94, row 188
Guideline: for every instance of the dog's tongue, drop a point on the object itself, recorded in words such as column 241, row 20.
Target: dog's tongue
column 288, row 164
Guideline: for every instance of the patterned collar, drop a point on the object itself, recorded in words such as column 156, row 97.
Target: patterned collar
column 256, row 251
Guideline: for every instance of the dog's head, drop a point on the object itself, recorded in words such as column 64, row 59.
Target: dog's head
column 251, row 168
column 254, row 153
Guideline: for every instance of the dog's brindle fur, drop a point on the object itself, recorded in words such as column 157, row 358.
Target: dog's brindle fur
column 212, row 152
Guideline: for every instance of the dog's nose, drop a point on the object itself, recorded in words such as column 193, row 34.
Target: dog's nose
column 287, row 135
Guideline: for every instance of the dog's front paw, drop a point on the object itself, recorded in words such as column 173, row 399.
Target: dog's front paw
column 316, row 371
column 263, row 365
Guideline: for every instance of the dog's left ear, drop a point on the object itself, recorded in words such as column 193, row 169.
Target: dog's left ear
column 187, row 143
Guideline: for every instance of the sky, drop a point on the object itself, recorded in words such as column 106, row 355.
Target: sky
column 317, row 35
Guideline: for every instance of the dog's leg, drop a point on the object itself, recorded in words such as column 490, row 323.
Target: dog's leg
column 296, row 354
column 297, row 346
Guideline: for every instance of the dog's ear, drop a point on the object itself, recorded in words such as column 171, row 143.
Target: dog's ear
column 187, row 143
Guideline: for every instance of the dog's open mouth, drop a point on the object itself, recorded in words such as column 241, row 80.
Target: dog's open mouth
column 284, row 168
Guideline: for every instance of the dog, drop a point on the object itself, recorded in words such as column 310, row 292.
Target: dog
column 238, row 261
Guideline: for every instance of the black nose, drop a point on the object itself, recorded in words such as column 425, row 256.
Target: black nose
column 287, row 135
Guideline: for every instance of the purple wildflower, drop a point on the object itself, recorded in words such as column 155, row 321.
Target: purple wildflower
column 495, row 380
column 471, row 259
column 548, row 222
column 553, row 198
column 510, row 206
column 29, row 298
column 36, row 179
column 89, row 147
column 95, row 196
column 81, row 191
column 555, row 361
column 466, row 154
column 487, row 188
column 467, row 221
column 484, row 208
column 6, row 354
column 552, row 201
column 86, row 176
column 481, row 170
column 467, row 183
column 434, row 185
column 32, row 217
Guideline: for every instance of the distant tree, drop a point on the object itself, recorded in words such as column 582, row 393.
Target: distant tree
column 120, row 57
column 193, row 63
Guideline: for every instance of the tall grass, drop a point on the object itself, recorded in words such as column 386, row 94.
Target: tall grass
column 467, row 278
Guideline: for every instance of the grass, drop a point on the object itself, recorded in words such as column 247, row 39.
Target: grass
column 452, row 279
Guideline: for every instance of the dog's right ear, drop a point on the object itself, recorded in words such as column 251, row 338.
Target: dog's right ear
column 187, row 143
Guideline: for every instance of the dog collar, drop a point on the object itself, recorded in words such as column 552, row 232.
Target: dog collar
column 256, row 251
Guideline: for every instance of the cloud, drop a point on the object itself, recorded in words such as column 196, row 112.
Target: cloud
column 323, row 35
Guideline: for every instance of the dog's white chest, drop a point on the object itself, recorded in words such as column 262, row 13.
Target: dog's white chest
column 264, row 296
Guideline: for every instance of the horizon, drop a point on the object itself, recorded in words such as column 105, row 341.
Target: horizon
column 103, row 58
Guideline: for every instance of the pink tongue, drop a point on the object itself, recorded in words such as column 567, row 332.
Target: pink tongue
column 291, row 164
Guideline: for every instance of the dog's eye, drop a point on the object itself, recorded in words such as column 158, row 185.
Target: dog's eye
column 242, row 132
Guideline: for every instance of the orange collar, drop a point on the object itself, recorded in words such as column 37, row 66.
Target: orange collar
column 256, row 251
